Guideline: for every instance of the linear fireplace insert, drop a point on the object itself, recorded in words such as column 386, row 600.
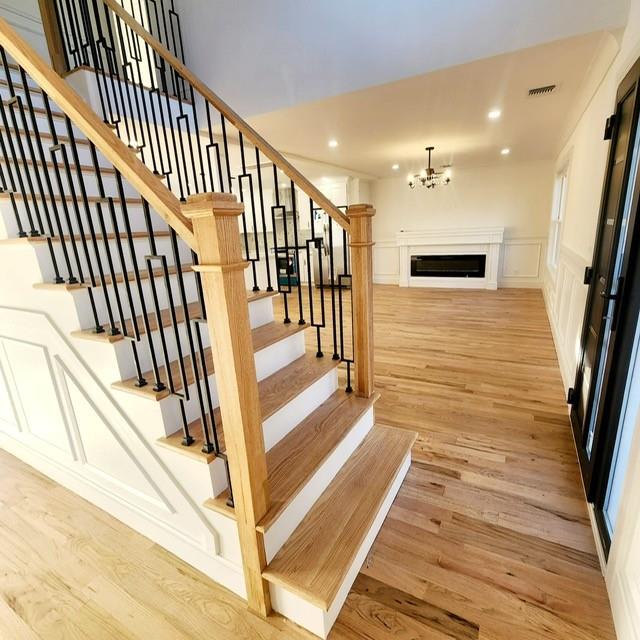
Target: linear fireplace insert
column 448, row 266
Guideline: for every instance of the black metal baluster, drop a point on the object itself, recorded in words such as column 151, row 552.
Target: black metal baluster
column 213, row 145
column 332, row 281
column 318, row 245
column 265, row 236
column 10, row 187
column 140, row 382
column 51, row 203
column 225, row 143
column 62, row 148
column 56, row 214
column 296, row 241
column 276, row 248
column 245, row 175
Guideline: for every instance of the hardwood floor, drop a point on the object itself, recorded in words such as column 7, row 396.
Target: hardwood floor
column 488, row 539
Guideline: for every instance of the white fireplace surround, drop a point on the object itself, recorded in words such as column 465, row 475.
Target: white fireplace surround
column 480, row 241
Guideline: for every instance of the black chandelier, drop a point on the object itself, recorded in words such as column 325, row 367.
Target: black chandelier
column 429, row 177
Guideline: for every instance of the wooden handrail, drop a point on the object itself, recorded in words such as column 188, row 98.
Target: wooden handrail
column 249, row 132
column 121, row 157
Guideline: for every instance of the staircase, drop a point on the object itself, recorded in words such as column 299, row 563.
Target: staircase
column 217, row 302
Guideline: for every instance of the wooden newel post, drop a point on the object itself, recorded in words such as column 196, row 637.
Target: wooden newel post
column 53, row 35
column 361, row 220
column 215, row 227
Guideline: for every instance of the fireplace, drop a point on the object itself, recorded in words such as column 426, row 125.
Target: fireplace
column 448, row 266
column 464, row 258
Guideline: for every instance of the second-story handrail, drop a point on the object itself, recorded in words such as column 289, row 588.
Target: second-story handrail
column 122, row 157
column 234, row 118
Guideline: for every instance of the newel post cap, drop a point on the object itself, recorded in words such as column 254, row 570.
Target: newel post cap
column 360, row 210
column 202, row 205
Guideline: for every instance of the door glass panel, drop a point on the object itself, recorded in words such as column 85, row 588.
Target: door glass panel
column 617, row 271
column 626, row 429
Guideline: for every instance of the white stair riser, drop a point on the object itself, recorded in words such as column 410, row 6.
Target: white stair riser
column 135, row 216
column 279, row 532
column 89, row 178
column 314, row 618
column 140, row 245
column 81, row 298
column 42, row 128
column 290, row 348
column 284, row 420
column 268, row 360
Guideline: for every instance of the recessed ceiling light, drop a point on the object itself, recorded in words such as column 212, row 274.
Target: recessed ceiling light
column 506, row 151
column 395, row 167
column 333, row 143
column 494, row 114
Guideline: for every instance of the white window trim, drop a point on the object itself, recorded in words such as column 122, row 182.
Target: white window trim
column 556, row 222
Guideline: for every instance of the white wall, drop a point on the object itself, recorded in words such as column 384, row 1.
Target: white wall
column 512, row 195
column 565, row 294
column 24, row 16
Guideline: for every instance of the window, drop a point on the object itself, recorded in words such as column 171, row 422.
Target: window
column 557, row 217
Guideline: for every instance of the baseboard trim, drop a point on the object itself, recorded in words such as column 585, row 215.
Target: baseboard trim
column 386, row 278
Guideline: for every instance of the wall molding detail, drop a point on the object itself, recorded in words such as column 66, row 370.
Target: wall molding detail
column 67, row 425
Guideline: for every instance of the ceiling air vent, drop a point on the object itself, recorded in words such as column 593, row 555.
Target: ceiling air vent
column 542, row 91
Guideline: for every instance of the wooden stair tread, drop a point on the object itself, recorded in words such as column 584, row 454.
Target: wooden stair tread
column 43, row 135
column 193, row 309
column 136, row 235
column 57, row 115
column 219, row 504
column 284, row 385
column 263, row 337
column 295, row 458
column 85, row 168
column 174, row 442
column 130, row 276
column 134, row 202
column 316, row 558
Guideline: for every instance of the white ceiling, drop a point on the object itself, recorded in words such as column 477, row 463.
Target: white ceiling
column 265, row 55
column 382, row 125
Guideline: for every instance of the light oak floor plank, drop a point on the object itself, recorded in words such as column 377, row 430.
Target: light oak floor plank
column 488, row 538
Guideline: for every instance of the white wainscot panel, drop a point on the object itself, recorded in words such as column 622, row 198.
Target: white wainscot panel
column 107, row 454
column 565, row 295
column 72, row 429
column 29, row 367
column 522, row 262
column 8, row 418
column 386, row 268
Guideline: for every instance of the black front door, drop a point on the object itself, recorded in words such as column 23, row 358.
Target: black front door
column 609, row 296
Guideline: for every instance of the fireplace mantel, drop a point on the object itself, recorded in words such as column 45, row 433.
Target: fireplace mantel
column 484, row 241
